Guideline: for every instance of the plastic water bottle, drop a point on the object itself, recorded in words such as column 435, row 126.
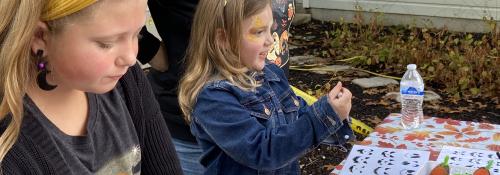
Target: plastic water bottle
column 412, row 97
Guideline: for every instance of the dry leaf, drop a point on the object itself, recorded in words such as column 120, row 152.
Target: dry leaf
column 480, row 105
column 374, row 119
column 329, row 167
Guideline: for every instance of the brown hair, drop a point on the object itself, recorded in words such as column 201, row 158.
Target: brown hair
column 214, row 47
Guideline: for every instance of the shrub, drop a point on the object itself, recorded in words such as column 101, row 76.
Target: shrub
column 464, row 64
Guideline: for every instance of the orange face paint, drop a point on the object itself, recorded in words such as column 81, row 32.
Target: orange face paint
column 251, row 37
column 257, row 23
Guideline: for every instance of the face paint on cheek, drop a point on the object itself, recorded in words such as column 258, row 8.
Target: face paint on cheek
column 257, row 23
column 252, row 38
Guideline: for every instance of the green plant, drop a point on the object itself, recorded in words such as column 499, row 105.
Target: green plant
column 465, row 64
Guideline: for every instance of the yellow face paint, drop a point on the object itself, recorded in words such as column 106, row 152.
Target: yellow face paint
column 257, row 23
column 252, row 37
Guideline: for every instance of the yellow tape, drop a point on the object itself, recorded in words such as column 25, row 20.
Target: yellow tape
column 356, row 125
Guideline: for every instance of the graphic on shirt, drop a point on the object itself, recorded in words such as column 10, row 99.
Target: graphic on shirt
column 274, row 52
column 283, row 13
column 129, row 163
column 291, row 11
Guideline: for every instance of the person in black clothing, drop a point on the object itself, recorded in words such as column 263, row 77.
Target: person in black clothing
column 173, row 19
column 73, row 98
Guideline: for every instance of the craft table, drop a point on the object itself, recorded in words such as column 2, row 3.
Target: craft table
column 433, row 134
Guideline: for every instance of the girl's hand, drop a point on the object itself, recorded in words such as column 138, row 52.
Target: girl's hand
column 339, row 99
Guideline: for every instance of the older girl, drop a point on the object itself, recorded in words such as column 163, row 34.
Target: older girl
column 61, row 109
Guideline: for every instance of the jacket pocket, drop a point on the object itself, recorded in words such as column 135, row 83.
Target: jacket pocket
column 260, row 107
column 290, row 105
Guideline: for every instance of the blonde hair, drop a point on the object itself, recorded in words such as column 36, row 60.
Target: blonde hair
column 214, row 47
column 17, row 68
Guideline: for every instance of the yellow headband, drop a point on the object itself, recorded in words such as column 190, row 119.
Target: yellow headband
column 55, row 9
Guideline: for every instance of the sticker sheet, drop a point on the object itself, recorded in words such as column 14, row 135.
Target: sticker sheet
column 470, row 158
column 365, row 160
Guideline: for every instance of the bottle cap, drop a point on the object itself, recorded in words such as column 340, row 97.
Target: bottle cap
column 411, row 67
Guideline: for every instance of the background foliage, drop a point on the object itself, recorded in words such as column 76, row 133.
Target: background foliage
column 464, row 65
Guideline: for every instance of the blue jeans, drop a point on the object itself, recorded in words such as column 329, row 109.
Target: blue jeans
column 189, row 154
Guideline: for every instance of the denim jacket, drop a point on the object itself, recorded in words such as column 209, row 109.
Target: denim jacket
column 263, row 131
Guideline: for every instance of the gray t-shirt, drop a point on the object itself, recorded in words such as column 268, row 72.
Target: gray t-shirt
column 111, row 145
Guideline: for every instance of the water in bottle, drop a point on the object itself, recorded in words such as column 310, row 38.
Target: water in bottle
column 412, row 97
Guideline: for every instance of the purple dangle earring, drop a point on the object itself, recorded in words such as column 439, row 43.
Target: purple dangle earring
column 41, row 78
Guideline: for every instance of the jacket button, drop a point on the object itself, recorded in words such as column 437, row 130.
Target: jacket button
column 296, row 102
column 267, row 111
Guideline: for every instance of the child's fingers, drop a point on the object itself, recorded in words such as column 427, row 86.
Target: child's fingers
column 346, row 93
column 339, row 95
column 336, row 90
column 343, row 97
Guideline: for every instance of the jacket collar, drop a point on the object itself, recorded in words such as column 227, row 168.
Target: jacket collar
column 267, row 74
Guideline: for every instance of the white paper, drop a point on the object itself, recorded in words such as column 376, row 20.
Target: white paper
column 470, row 159
column 364, row 160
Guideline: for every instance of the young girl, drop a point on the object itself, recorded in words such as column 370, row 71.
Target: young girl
column 73, row 99
column 242, row 111
column 168, row 64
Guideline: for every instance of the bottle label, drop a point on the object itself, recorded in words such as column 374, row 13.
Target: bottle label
column 411, row 91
